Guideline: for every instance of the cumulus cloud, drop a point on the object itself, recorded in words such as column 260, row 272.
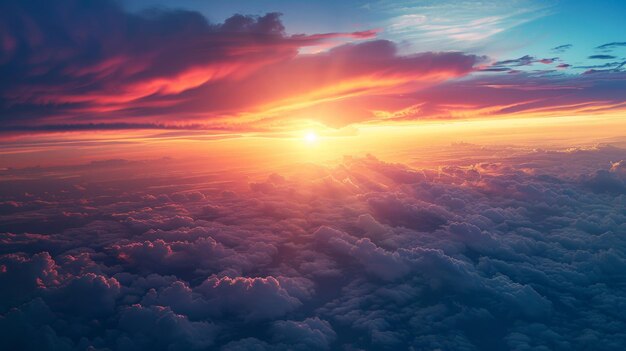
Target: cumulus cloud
column 612, row 180
column 311, row 333
column 251, row 298
column 520, row 254
column 159, row 328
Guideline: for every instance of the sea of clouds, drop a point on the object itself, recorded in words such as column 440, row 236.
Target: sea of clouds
column 523, row 252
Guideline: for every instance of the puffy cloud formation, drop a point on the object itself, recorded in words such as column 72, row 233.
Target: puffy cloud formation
column 528, row 253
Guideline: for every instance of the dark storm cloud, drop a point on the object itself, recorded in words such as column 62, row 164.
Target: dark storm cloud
column 525, row 253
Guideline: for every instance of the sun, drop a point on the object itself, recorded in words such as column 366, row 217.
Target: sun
column 310, row 137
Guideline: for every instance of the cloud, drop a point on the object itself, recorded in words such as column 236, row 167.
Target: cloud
column 251, row 298
column 307, row 334
column 611, row 46
column 23, row 276
column 158, row 327
column 128, row 50
column 561, row 48
column 397, row 213
column 526, row 60
column 465, row 23
column 522, row 93
column 602, row 57
column 471, row 254
column 522, row 61
column 78, row 68
column 28, row 328
column 608, row 181
column 73, row 67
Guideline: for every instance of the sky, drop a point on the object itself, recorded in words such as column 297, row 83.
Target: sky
column 312, row 175
column 143, row 71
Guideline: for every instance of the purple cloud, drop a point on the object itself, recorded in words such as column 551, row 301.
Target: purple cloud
column 516, row 254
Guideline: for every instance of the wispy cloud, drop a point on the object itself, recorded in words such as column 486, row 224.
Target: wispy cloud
column 602, row 57
column 457, row 23
column 561, row 48
column 611, row 46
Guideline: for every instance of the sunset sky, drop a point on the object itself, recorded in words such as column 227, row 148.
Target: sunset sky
column 312, row 175
column 76, row 75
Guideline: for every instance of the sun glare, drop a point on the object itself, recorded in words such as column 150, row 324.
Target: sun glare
column 310, row 137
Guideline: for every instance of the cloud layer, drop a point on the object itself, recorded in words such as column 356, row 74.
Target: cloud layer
column 71, row 62
column 526, row 253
